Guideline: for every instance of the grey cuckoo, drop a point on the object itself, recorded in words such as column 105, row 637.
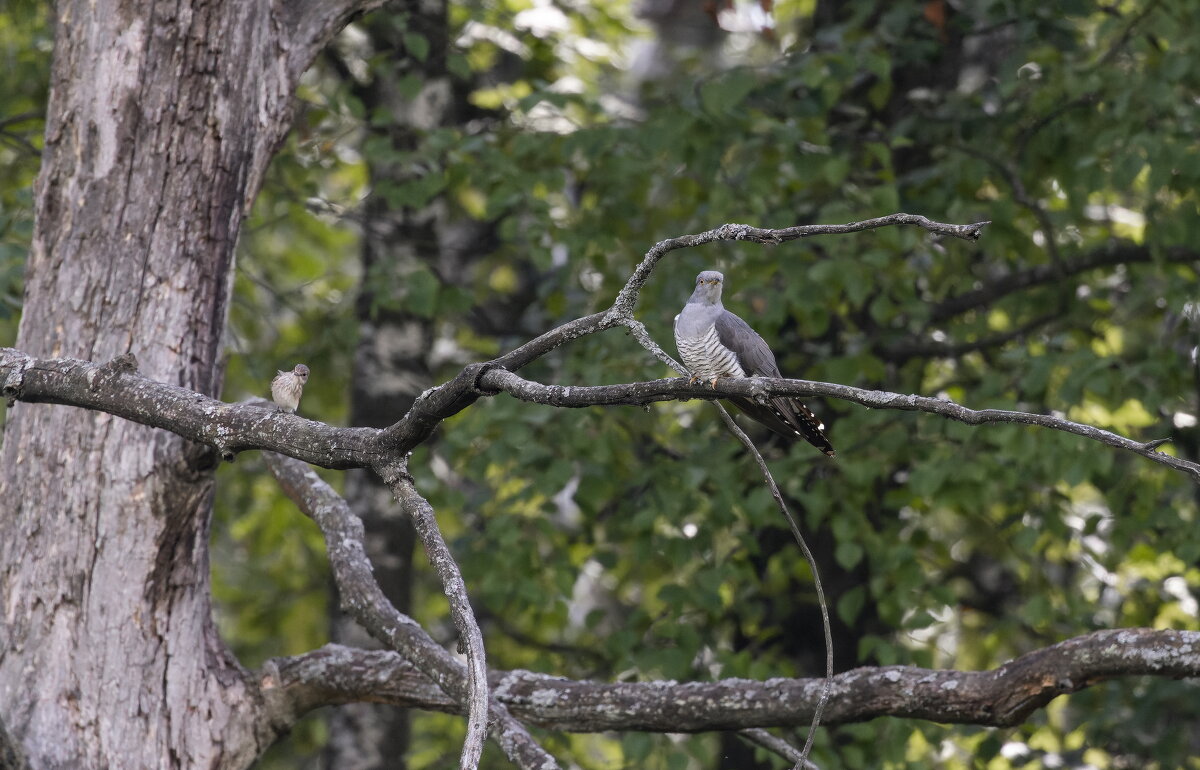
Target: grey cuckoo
column 715, row 343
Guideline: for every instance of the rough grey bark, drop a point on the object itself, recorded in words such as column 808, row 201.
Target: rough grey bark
column 1002, row 697
column 160, row 125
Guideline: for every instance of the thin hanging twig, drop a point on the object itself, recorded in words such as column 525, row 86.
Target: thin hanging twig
column 812, row 564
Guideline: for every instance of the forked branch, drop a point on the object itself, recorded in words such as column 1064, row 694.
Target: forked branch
column 362, row 598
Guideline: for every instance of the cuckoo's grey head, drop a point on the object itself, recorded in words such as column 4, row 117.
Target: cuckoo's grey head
column 708, row 288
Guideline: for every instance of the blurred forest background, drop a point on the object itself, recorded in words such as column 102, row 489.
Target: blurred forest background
column 463, row 176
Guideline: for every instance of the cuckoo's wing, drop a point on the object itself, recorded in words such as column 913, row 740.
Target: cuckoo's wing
column 752, row 351
column 786, row 416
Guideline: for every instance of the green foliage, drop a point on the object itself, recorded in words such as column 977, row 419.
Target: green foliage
column 24, row 56
column 695, row 575
column 639, row 545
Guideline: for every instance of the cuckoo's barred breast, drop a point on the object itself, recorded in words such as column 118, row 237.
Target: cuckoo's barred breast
column 707, row 358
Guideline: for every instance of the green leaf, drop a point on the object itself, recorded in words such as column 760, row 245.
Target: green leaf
column 850, row 603
column 458, row 66
column 848, row 554
column 417, row 45
column 722, row 94
column 918, row 620
column 421, row 292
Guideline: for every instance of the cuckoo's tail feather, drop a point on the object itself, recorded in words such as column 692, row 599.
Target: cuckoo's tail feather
column 790, row 419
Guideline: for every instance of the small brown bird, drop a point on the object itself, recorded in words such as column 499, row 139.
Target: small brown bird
column 287, row 387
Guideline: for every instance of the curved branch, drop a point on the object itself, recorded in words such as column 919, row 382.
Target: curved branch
column 627, row 297
column 420, row 512
column 362, row 598
column 1002, row 697
column 335, row 675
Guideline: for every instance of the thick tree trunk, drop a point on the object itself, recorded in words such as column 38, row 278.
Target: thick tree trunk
column 161, row 121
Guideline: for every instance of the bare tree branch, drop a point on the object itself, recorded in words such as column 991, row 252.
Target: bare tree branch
column 420, row 512
column 116, row 388
column 760, row 737
column 1002, row 697
column 362, row 598
column 627, row 297
column 237, row 427
column 313, row 23
column 335, row 675
column 641, row 393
